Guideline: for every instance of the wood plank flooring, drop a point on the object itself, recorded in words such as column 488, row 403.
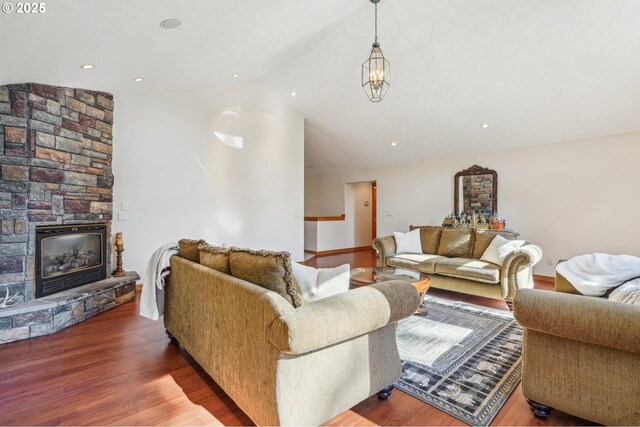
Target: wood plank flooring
column 120, row 369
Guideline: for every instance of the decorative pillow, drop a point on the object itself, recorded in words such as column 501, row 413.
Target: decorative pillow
column 408, row 243
column 629, row 293
column 455, row 243
column 215, row 257
column 429, row 238
column 499, row 248
column 188, row 248
column 483, row 239
column 315, row 284
column 267, row 269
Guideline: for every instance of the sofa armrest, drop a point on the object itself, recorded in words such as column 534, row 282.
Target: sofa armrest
column 344, row 316
column 579, row 318
column 386, row 247
column 515, row 265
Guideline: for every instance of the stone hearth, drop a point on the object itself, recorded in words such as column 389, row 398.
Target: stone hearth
column 50, row 314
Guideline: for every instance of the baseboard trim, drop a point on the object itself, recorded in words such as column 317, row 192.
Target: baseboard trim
column 541, row 278
column 338, row 251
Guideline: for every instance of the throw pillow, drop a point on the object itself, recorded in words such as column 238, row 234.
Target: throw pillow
column 188, row 248
column 215, row 257
column 499, row 249
column 267, row 269
column 629, row 293
column 483, row 239
column 408, row 243
column 429, row 237
column 315, row 284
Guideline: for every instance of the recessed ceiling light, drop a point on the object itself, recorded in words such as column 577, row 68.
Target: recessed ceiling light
column 87, row 66
column 235, row 76
column 170, row 24
column 393, row 144
column 484, row 125
column 292, row 93
column 138, row 79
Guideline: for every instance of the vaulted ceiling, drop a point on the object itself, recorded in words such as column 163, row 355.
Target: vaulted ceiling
column 537, row 71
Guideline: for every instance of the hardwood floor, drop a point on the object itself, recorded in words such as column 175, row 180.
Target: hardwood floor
column 121, row 369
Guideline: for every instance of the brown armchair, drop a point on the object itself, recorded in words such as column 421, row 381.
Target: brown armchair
column 581, row 355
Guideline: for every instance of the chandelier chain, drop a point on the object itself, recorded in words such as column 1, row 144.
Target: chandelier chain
column 376, row 22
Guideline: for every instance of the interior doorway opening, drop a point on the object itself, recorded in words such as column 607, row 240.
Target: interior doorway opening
column 361, row 208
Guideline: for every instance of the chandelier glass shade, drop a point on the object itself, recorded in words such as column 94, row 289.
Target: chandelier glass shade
column 376, row 70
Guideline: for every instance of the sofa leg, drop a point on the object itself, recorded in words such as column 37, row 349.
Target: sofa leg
column 539, row 410
column 510, row 305
column 170, row 335
column 385, row 392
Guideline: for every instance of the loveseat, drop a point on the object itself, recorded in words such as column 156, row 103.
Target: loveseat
column 581, row 354
column 283, row 365
column 451, row 258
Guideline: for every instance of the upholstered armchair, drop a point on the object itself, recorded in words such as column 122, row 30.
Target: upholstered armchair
column 581, row 355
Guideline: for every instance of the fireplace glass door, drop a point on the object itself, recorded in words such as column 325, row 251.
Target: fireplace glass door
column 68, row 256
column 70, row 253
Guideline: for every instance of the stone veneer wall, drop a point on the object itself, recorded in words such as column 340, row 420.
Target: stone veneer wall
column 477, row 191
column 55, row 160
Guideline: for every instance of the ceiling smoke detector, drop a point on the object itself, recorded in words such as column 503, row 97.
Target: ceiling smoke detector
column 170, row 24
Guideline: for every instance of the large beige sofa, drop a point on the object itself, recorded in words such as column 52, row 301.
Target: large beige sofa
column 284, row 365
column 581, row 355
column 451, row 258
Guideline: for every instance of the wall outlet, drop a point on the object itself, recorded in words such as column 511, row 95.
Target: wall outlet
column 389, row 213
column 550, row 261
column 123, row 216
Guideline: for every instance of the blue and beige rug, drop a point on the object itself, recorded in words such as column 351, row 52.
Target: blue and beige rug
column 461, row 358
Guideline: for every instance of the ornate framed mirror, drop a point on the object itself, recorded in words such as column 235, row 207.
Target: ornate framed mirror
column 476, row 189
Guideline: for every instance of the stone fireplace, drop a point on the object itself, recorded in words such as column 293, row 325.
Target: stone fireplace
column 55, row 170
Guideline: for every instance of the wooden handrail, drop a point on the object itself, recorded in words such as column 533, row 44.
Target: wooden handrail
column 325, row 218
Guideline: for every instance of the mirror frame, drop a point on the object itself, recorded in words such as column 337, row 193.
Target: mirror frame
column 475, row 170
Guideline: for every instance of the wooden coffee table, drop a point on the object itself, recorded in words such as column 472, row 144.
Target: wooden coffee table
column 370, row 275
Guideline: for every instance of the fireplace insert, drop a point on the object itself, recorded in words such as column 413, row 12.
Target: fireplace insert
column 68, row 256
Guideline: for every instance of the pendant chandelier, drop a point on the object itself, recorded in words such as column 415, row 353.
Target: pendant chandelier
column 376, row 70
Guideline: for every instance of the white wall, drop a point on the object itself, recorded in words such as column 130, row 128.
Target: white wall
column 180, row 180
column 571, row 198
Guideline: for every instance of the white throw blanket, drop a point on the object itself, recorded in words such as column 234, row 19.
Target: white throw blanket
column 595, row 274
column 152, row 299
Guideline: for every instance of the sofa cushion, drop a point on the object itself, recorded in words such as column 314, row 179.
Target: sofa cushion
column 424, row 263
column 215, row 257
column 468, row 268
column 483, row 239
column 188, row 248
column 267, row 269
column 429, row 237
column 455, row 242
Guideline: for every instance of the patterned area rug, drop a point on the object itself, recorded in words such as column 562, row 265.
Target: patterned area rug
column 461, row 358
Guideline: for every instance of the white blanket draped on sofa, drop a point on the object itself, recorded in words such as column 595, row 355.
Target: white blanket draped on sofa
column 152, row 298
column 595, row 274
